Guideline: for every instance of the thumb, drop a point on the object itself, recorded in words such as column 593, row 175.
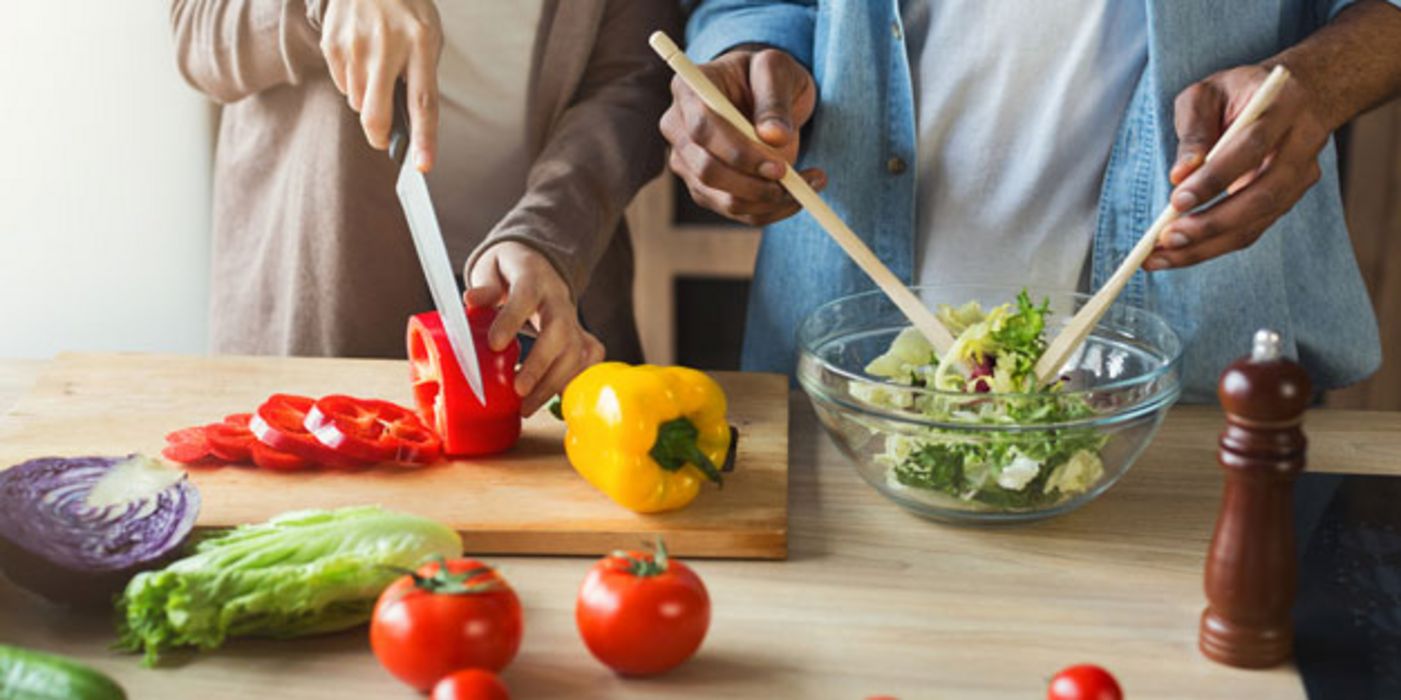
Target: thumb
column 775, row 87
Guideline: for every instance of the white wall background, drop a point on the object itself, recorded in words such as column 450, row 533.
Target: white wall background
column 104, row 182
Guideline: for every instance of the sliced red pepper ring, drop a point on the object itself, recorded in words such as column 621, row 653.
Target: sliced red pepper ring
column 280, row 424
column 230, row 442
column 372, row 430
column 277, row 460
column 187, row 446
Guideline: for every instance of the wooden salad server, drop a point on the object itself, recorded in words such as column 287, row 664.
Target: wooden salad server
column 909, row 304
column 1064, row 345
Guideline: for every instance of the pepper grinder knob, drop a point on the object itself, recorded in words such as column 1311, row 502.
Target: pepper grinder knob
column 1251, row 572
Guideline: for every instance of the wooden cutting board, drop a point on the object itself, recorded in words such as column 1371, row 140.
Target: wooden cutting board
column 527, row 501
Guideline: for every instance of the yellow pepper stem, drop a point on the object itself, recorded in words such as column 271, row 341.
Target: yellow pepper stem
column 676, row 446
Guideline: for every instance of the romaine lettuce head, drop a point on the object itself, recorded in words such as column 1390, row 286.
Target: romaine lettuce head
column 301, row 573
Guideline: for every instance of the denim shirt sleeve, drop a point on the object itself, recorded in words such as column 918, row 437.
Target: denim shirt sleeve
column 1333, row 7
column 719, row 25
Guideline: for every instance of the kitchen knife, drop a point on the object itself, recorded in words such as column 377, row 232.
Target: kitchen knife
column 432, row 253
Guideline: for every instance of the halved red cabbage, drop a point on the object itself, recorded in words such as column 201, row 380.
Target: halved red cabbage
column 55, row 543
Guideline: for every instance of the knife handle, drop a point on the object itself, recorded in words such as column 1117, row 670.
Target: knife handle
column 399, row 131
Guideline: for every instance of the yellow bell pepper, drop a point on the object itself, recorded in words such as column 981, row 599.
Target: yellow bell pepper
column 646, row 436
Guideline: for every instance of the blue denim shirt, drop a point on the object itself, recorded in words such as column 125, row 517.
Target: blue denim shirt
column 1299, row 278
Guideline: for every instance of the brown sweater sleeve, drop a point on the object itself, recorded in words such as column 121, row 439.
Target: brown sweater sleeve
column 230, row 49
column 604, row 147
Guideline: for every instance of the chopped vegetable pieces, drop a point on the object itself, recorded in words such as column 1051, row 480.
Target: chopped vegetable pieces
column 292, row 433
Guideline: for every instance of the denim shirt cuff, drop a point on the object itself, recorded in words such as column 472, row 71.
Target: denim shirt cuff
column 1336, row 6
column 786, row 27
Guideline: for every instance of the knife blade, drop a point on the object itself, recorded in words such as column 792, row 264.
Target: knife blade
column 414, row 197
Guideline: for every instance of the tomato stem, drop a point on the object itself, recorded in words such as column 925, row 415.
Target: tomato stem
column 443, row 581
column 645, row 567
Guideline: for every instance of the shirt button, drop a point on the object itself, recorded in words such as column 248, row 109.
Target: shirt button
column 895, row 30
column 895, row 165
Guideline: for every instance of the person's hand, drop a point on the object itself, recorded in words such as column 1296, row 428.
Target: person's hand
column 368, row 44
column 1264, row 170
column 529, row 290
column 725, row 171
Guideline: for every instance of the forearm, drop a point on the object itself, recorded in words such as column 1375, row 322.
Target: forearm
column 230, row 49
column 603, row 148
column 1351, row 65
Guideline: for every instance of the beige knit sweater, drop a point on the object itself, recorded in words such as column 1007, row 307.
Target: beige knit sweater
column 312, row 255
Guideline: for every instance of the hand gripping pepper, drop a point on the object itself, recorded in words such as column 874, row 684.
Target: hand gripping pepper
column 646, row 436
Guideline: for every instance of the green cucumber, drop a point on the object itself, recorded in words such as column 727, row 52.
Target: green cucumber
column 31, row 675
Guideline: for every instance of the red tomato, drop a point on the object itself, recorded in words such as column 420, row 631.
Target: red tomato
column 372, row 430
column 1084, row 682
column 642, row 614
column 444, row 399
column 186, row 446
column 429, row 625
column 471, row 684
column 280, row 424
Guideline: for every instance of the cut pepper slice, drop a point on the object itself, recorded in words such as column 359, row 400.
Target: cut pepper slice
column 280, row 423
column 230, row 441
column 186, row 446
column 446, row 402
column 372, row 430
column 277, row 460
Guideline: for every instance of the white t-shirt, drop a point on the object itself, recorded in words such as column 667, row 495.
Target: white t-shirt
column 483, row 77
column 1017, row 105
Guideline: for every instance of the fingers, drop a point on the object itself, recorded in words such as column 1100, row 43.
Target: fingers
column 355, row 74
column 749, row 212
column 370, row 45
column 1238, row 221
column 708, row 170
column 579, row 351
column 422, row 78
column 521, row 303
column 725, row 170
column 1237, row 159
column 377, row 109
column 718, row 137
column 486, row 296
column 1197, row 119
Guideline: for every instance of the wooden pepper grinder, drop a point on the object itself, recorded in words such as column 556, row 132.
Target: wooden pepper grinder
column 1251, row 568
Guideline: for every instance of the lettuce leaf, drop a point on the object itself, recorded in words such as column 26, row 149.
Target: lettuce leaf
column 993, row 351
column 301, row 573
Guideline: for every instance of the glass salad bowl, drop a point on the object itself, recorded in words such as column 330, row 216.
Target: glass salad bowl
column 957, row 449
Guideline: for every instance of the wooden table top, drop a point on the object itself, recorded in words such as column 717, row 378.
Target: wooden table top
column 872, row 600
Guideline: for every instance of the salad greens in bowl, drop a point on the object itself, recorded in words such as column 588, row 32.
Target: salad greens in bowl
column 972, row 436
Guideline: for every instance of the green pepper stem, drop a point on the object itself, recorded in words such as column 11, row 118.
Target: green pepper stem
column 676, row 446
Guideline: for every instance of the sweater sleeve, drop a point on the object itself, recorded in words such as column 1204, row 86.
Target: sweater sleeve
column 601, row 150
column 230, row 49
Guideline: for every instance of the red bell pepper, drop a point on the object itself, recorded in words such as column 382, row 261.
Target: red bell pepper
column 446, row 402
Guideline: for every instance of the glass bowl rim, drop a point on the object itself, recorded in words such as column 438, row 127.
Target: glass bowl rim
column 806, row 348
